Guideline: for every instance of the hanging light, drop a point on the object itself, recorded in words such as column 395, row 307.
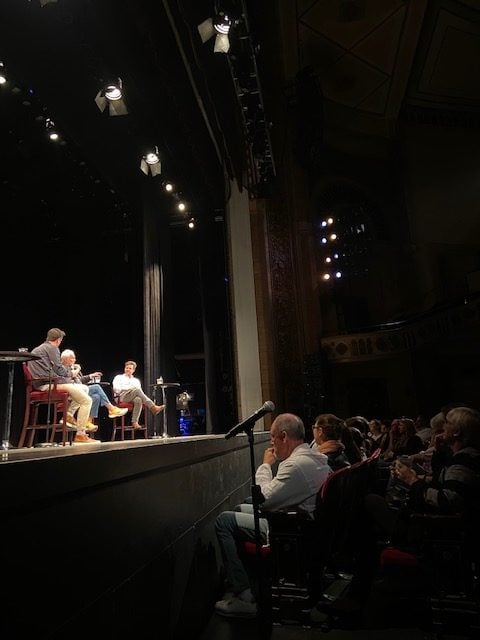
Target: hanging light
column 220, row 26
column 112, row 95
column 150, row 163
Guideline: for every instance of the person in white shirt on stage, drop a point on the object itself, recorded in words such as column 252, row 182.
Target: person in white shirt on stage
column 128, row 388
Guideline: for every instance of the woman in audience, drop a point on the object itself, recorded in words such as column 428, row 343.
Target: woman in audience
column 327, row 432
column 377, row 435
column 404, row 441
column 358, row 426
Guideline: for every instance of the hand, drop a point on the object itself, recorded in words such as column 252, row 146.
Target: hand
column 438, row 441
column 269, row 456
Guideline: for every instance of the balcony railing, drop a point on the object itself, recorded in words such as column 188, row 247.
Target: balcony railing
column 405, row 336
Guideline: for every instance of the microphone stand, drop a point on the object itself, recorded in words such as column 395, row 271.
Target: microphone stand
column 264, row 620
column 49, row 397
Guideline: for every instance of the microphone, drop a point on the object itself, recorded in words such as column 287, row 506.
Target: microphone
column 267, row 407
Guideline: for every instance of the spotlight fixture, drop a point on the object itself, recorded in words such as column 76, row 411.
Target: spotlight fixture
column 219, row 25
column 3, row 74
column 150, row 163
column 181, row 206
column 168, row 186
column 191, row 223
column 112, row 95
column 52, row 132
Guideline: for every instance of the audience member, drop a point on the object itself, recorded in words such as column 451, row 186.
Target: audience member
column 454, row 492
column 128, row 388
column 352, row 450
column 327, row 433
column 94, row 390
column 423, row 429
column 301, row 473
column 404, row 441
column 358, row 426
column 377, row 435
column 50, row 366
column 434, row 457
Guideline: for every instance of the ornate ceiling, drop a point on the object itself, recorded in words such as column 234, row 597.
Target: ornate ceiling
column 375, row 57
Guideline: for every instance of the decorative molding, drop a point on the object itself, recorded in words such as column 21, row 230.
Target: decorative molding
column 375, row 345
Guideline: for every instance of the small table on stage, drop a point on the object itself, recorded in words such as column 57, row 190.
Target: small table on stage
column 163, row 386
column 11, row 357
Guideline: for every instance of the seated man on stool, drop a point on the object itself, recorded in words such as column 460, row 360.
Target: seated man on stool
column 95, row 391
column 301, row 473
column 128, row 388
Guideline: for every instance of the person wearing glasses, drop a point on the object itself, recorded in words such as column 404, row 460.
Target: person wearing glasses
column 327, row 433
column 301, row 472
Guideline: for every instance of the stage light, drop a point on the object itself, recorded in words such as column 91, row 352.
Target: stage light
column 191, row 223
column 150, row 163
column 112, row 95
column 3, row 74
column 52, row 132
column 219, row 25
column 168, row 186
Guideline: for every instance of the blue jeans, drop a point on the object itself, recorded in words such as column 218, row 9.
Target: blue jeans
column 232, row 527
column 99, row 398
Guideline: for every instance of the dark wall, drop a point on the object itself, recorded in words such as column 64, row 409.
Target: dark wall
column 119, row 539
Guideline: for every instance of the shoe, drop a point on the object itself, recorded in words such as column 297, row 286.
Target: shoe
column 71, row 422
column 116, row 412
column 235, row 607
column 90, row 427
column 82, row 438
column 157, row 408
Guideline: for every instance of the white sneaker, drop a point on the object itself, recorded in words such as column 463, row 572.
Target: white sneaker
column 235, row 607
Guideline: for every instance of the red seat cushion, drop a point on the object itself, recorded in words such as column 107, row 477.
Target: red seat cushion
column 396, row 557
column 251, row 549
